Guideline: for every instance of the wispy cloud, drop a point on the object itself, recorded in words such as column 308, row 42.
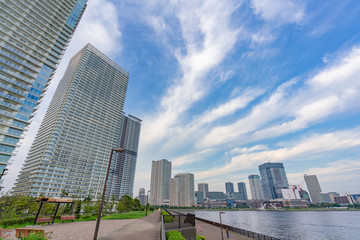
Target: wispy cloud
column 333, row 90
column 280, row 11
column 208, row 36
column 307, row 148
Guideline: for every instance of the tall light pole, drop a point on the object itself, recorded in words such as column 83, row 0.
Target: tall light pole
column 103, row 194
column 222, row 236
column 147, row 201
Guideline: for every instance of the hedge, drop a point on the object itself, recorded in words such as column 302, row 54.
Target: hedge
column 174, row 235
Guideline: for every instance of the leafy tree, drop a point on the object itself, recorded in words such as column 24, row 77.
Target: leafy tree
column 64, row 193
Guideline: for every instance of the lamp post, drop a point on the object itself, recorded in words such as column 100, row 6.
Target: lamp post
column 222, row 236
column 104, row 190
column 147, row 201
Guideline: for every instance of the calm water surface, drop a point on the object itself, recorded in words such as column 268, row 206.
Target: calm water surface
column 299, row 225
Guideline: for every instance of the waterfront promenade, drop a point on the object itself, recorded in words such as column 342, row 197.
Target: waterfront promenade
column 212, row 232
column 144, row 228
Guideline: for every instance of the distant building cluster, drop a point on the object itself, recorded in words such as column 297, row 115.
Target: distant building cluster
column 164, row 190
column 270, row 189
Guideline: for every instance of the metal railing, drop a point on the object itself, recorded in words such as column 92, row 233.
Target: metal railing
column 250, row 234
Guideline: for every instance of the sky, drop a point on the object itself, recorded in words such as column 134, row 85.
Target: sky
column 223, row 86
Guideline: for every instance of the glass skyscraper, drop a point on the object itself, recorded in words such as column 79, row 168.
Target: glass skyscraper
column 33, row 37
column 273, row 179
column 229, row 187
column 122, row 174
column 242, row 191
column 82, row 124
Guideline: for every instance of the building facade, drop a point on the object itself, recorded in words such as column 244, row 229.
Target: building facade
column 81, row 126
column 242, row 191
column 33, row 38
column 314, row 188
column 122, row 176
column 142, row 197
column 204, row 188
column 255, row 187
column 160, row 182
column 229, row 187
column 273, row 179
column 182, row 191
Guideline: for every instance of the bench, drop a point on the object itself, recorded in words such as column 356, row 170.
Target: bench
column 43, row 220
column 66, row 218
column 25, row 232
column 4, row 233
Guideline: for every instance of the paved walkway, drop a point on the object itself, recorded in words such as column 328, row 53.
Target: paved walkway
column 145, row 228
column 80, row 230
column 212, row 232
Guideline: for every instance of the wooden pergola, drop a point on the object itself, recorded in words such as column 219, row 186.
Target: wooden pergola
column 43, row 200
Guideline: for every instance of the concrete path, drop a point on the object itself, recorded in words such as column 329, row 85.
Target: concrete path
column 145, row 228
column 212, row 232
column 80, row 230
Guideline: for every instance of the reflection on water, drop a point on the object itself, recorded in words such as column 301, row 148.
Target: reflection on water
column 299, row 225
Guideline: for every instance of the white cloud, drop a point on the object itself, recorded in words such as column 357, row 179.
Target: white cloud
column 307, row 148
column 333, row 90
column 281, row 11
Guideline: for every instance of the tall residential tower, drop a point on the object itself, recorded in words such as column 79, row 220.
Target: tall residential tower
column 182, row 191
column 204, row 188
column 82, row 124
column 122, row 176
column 255, row 187
column 33, row 37
column 160, row 182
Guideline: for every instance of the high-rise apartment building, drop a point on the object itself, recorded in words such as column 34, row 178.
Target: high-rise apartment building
column 242, row 191
column 314, row 188
column 204, row 188
column 81, row 126
column 33, row 38
column 122, row 176
column 273, row 179
column 182, row 190
column 229, row 187
column 142, row 197
column 256, row 188
column 160, row 182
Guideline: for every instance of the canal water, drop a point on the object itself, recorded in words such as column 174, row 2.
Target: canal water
column 299, row 225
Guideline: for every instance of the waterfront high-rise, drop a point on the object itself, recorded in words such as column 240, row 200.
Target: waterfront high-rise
column 255, row 187
column 314, row 188
column 122, row 176
column 204, row 188
column 182, row 190
column 160, row 182
column 242, row 191
column 81, row 126
column 33, row 38
column 229, row 186
column 142, row 196
column 273, row 179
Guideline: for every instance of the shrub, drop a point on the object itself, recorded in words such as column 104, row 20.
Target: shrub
column 198, row 237
column 35, row 236
column 13, row 221
column 174, row 235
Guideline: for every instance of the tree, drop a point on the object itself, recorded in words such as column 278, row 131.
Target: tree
column 64, row 193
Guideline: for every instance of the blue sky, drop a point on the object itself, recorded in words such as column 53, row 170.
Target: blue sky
column 224, row 86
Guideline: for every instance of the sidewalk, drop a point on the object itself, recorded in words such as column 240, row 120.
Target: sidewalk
column 212, row 232
column 146, row 228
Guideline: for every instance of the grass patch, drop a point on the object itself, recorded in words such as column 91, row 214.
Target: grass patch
column 127, row 215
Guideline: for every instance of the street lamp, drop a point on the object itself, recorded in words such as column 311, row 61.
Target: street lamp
column 147, row 202
column 222, row 236
column 104, row 190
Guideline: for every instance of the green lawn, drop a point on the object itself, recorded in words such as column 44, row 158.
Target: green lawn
column 127, row 215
